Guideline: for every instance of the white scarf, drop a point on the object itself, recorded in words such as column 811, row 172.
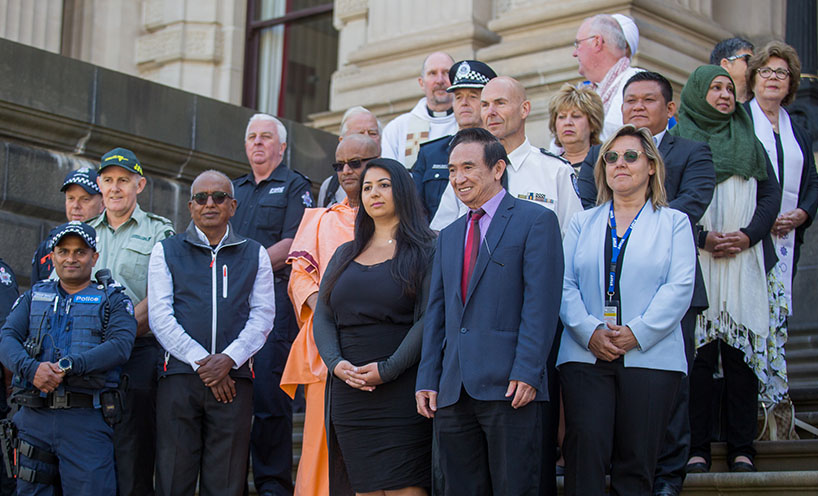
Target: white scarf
column 793, row 165
column 607, row 87
column 735, row 285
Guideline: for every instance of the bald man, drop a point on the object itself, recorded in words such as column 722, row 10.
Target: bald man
column 533, row 173
column 603, row 48
column 356, row 120
column 431, row 118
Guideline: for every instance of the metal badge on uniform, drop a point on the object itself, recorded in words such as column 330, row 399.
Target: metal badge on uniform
column 5, row 277
column 440, row 166
column 610, row 312
column 276, row 189
column 463, row 70
column 39, row 296
column 306, row 199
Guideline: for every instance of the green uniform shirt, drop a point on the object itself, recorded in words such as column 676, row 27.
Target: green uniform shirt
column 126, row 251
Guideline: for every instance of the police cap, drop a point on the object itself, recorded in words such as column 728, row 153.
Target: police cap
column 85, row 177
column 470, row 74
column 81, row 229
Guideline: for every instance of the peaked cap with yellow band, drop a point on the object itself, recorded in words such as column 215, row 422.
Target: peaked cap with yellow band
column 123, row 158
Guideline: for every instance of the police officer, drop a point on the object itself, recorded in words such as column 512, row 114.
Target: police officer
column 65, row 341
column 431, row 171
column 126, row 235
column 83, row 201
column 271, row 200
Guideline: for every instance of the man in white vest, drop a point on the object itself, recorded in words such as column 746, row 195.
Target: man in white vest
column 603, row 48
column 431, row 118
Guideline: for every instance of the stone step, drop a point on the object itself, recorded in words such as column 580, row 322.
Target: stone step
column 774, row 456
column 784, row 483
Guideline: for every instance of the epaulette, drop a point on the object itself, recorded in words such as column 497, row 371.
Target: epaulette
column 306, row 178
column 158, row 217
column 562, row 159
column 448, row 136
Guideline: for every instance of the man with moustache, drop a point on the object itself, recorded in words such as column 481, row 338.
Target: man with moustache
column 356, row 120
column 322, row 230
column 83, row 201
column 271, row 200
column 211, row 306
column 431, row 118
column 126, row 235
column 431, row 171
column 533, row 174
column 689, row 183
column 502, row 301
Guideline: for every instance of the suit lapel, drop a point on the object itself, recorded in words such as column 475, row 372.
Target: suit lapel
column 666, row 145
column 495, row 232
column 459, row 237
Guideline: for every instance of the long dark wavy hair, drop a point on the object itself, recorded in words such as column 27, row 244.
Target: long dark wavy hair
column 414, row 240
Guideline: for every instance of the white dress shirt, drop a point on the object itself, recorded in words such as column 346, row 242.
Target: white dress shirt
column 173, row 337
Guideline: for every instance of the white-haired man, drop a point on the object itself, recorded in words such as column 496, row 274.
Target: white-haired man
column 271, row 200
column 430, row 119
column 604, row 47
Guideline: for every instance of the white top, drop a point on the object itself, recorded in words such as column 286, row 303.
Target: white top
column 533, row 176
column 393, row 138
column 178, row 342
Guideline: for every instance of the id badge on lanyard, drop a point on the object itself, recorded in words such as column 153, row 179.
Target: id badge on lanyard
column 611, row 312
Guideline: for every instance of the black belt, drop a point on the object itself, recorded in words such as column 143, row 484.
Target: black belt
column 67, row 400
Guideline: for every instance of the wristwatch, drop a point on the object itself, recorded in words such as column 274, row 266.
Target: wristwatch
column 65, row 364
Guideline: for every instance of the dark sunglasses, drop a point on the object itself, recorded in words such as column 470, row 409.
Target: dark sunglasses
column 629, row 156
column 355, row 163
column 218, row 197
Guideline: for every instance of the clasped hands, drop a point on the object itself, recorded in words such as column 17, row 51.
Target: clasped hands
column 213, row 371
column 722, row 245
column 365, row 377
column 610, row 341
column 48, row 377
column 788, row 221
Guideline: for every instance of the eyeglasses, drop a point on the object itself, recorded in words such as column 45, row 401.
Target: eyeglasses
column 630, row 156
column 218, row 197
column 745, row 56
column 577, row 42
column 767, row 73
column 355, row 163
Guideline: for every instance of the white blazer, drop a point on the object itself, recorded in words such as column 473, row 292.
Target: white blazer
column 656, row 286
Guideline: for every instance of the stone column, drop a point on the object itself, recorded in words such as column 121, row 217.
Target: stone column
column 37, row 23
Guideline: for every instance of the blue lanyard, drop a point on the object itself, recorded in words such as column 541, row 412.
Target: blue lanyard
column 616, row 247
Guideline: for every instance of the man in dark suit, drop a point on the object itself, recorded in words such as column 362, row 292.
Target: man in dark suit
column 689, row 183
column 489, row 327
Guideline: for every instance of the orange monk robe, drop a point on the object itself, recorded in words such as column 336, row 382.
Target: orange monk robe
column 321, row 231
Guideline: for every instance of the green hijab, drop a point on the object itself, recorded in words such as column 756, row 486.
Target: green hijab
column 736, row 151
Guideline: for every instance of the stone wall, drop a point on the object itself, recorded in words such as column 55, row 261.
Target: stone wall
column 58, row 114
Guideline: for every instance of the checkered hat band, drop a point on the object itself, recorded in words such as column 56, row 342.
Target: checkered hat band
column 83, row 181
column 472, row 76
column 79, row 231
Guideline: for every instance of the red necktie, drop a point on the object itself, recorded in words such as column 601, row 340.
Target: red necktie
column 472, row 248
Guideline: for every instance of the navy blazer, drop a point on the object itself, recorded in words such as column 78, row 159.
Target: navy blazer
column 690, row 180
column 506, row 327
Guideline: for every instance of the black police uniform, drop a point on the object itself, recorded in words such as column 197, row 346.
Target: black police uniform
column 8, row 294
column 268, row 212
column 431, row 173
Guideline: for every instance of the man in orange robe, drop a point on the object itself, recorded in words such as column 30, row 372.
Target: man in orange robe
column 322, row 230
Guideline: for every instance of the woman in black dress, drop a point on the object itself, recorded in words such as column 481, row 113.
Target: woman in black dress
column 368, row 328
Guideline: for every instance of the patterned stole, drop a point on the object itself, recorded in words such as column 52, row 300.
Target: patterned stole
column 417, row 132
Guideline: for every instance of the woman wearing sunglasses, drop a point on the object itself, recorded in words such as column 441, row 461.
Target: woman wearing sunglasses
column 368, row 327
column 736, row 255
column 630, row 265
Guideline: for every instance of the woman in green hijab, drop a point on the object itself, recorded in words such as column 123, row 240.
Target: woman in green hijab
column 736, row 255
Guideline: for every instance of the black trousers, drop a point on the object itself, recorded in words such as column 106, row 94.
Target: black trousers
column 741, row 400
column 670, row 468
column 615, row 416
column 271, row 441
column 135, row 436
column 198, row 435
column 488, row 447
